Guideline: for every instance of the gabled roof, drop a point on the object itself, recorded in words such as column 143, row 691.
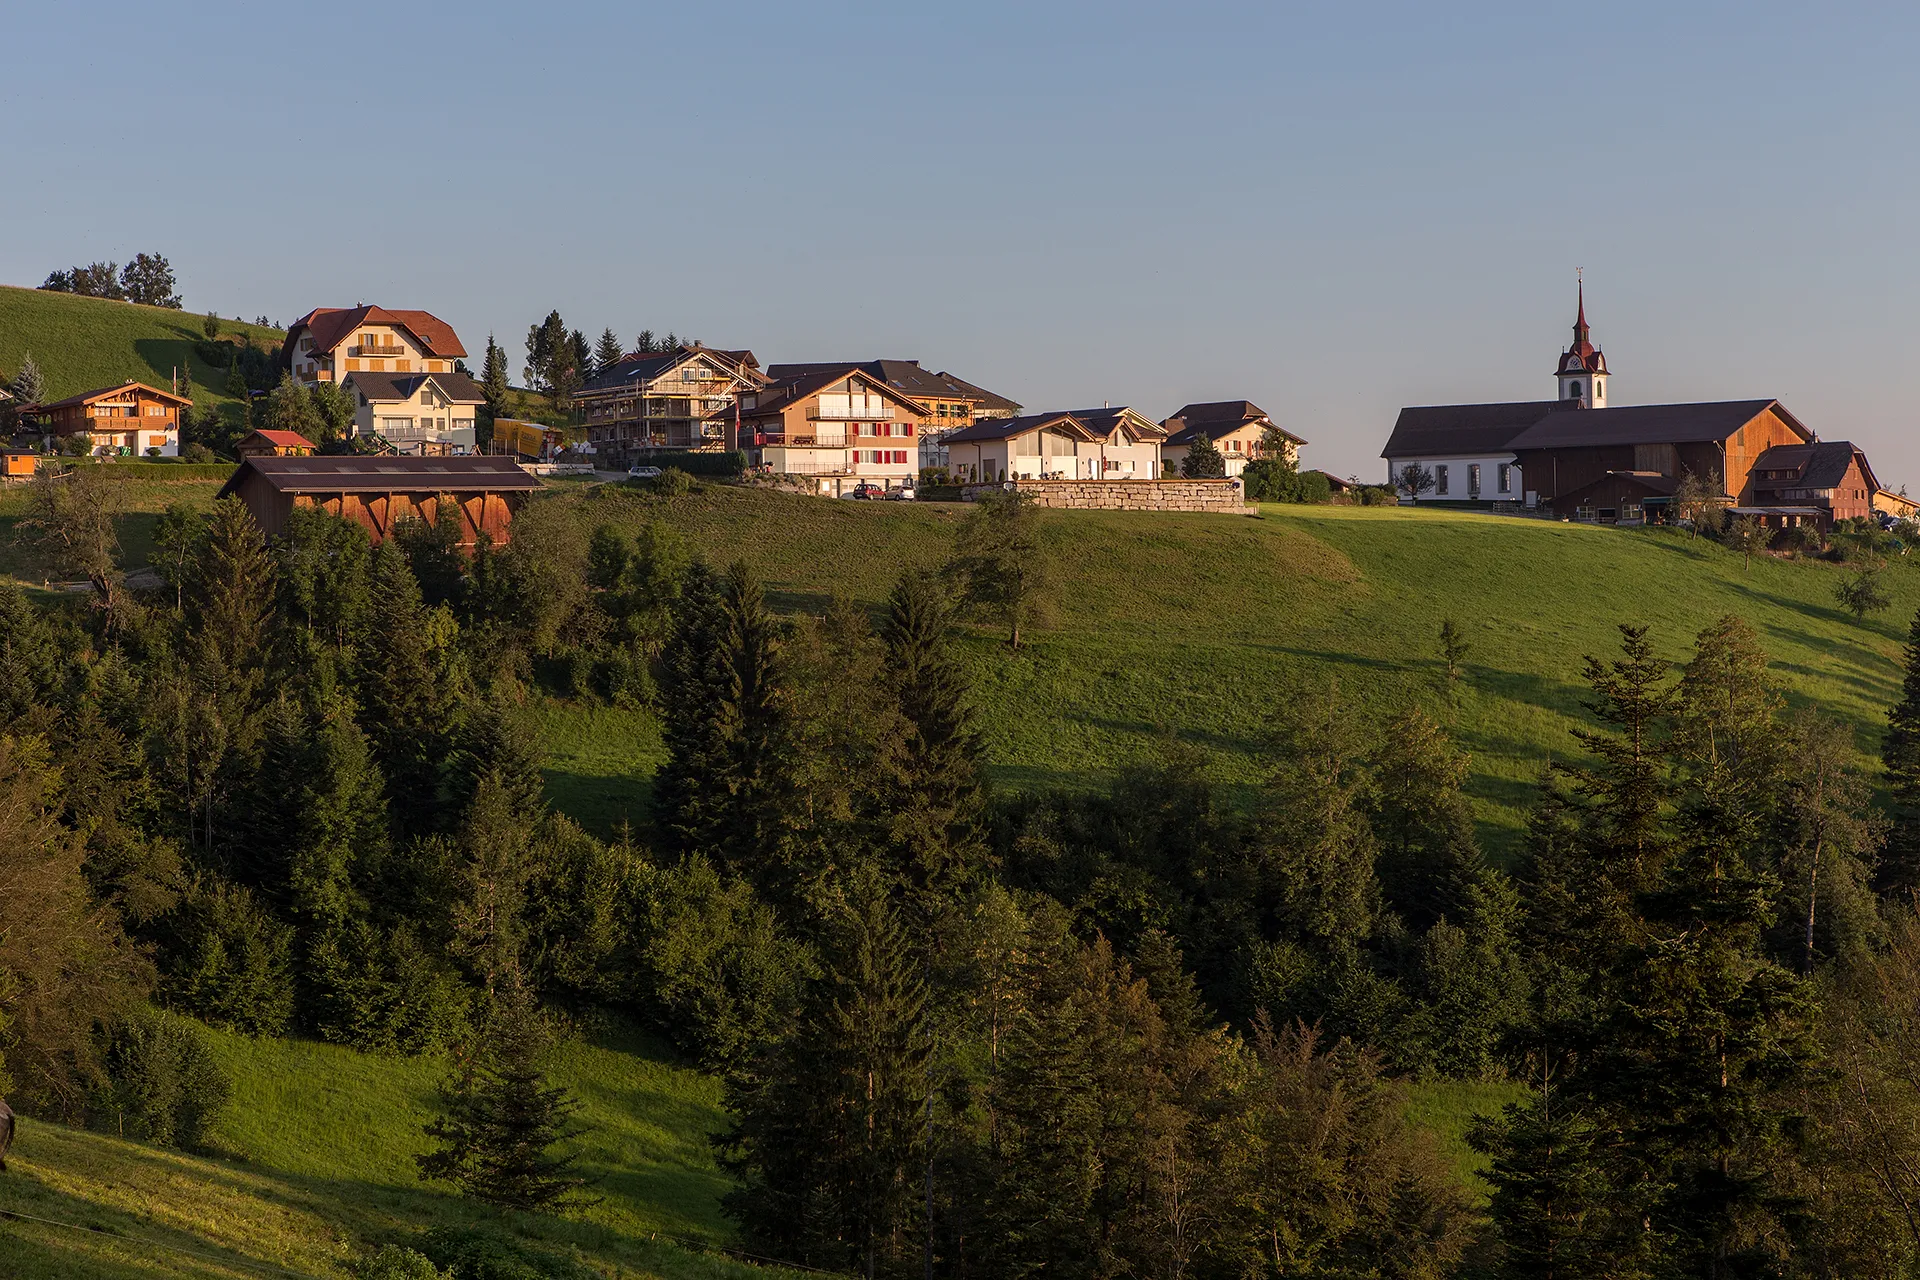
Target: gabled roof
column 107, row 393
column 645, row 366
column 351, row 473
column 906, row 377
column 800, row 381
column 1647, row 482
column 1008, row 428
column 386, row 388
column 1452, row 430
column 281, row 439
column 1217, row 418
column 1709, row 422
column 1821, row 465
column 330, row 326
column 1104, row 422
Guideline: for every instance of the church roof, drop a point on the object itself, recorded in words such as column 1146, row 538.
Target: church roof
column 1708, row 422
column 1582, row 356
column 1455, row 430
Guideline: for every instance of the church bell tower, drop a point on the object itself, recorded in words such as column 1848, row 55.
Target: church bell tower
column 1583, row 366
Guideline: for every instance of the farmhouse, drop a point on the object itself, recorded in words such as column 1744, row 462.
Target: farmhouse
column 1579, row 456
column 838, row 424
column 130, row 418
column 1239, row 429
column 379, row 492
column 680, row 399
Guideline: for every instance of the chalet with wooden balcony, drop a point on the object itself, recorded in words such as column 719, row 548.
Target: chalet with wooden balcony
column 1241, row 430
column 951, row 402
column 680, row 399
column 840, row 425
column 131, row 419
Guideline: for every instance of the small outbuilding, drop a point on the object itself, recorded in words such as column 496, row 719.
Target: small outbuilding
column 379, row 492
column 21, row 463
column 274, row 444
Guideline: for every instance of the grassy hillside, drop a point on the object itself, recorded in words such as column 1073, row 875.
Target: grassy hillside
column 83, row 343
column 315, row 1162
column 1204, row 626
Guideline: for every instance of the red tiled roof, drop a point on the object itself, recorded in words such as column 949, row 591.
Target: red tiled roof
column 330, row 326
column 285, row 439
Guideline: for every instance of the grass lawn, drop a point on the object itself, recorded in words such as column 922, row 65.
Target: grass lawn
column 83, row 343
column 142, row 491
column 315, row 1161
column 1204, row 627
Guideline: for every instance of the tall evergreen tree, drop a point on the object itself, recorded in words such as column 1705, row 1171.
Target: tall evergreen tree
column 1429, row 857
column 229, row 607
column 493, row 378
column 608, row 351
column 726, row 708
column 931, row 799
column 831, row 1140
column 30, row 385
column 405, row 705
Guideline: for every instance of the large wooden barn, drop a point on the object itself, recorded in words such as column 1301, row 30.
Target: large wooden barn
column 379, row 492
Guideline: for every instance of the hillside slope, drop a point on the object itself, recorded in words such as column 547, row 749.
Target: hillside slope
column 1205, row 627
column 316, row 1163
column 83, row 343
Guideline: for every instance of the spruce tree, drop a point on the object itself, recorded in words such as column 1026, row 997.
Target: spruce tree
column 405, row 708
column 727, row 721
column 1429, row 857
column 607, row 352
column 493, row 378
column 229, row 608
column 831, row 1140
column 1899, row 869
column 30, row 385
column 501, row 1119
column 1553, row 1205
column 931, row 799
column 1203, row 460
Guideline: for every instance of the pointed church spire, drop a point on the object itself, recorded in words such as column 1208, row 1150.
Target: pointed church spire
column 1580, row 321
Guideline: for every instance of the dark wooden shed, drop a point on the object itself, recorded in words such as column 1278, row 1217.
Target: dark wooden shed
column 379, row 492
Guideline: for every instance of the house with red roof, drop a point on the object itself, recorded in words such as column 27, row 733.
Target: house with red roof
column 399, row 367
column 274, row 444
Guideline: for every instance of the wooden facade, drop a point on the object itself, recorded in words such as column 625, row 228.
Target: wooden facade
column 1568, row 452
column 378, row 493
column 274, row 444
column 131, row 418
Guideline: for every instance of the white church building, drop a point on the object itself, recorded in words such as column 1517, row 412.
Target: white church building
column 1465, row 447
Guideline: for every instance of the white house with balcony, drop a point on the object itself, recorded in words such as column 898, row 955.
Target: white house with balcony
column 417, row 413
column 1081, row 444
column 399, row 366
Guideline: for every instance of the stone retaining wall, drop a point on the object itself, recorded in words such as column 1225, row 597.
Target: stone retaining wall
column 1126, row 495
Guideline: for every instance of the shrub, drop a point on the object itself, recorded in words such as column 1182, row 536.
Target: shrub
column 197, row 453
column 162, row 1085
column 474, row 1255
column 225, row 960
column 1272, row 480
column 391, row 1262
column 1376, row 495
column 75, row 446
column 672, row 483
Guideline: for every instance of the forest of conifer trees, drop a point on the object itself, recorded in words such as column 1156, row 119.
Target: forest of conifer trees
column 1155, row 1028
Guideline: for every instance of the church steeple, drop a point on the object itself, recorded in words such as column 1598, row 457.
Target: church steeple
column 1582, row 373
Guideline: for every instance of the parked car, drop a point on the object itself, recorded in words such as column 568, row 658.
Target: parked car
column 902, row 494
column 639, row 471
column 871, row 492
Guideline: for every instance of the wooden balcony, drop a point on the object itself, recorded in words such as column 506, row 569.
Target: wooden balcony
column 378, row 351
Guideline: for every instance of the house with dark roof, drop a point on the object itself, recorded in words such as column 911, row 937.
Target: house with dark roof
column 838, row 425
column 1067, row 444
column 681, row 399
column 377, row 493
column 1831, row 476
column 128, row 418
column 426, row 414
column 951, row 402
column 1240, row 429
column 1580, row 456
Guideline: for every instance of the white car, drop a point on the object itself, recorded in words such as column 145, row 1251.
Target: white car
column 639, row 471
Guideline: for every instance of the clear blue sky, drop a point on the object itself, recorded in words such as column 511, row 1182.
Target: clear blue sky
column 1332, row 210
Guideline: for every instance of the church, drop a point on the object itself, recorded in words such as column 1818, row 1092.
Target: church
column 1578, row 456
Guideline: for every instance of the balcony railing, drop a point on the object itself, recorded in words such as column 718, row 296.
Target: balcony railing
column 803, row 440
column 380, row 351
column 880, row 415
